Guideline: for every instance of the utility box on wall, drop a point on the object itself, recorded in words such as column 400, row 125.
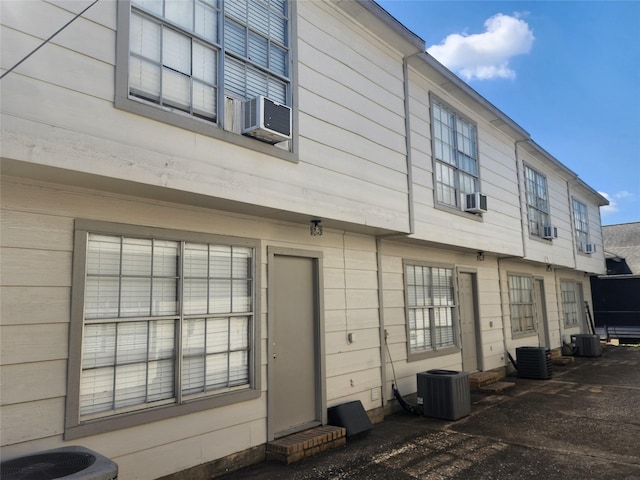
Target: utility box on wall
column 444, row 394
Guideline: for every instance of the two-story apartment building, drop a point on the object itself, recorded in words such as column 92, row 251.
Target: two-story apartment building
column 167, row 299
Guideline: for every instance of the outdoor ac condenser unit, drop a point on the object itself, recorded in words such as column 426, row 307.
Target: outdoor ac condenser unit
column 475, row 203
column 444, row 394
column 587, row 345
column 534, row 362
column 69, row 463
column 266, row 120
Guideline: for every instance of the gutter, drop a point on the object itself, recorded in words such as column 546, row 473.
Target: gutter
column 407, row 137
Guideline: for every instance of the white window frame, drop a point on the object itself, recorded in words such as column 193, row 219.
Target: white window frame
column 580, row 224
column 79, row 420
column 177, row 116
column 537, row 194
column 424, row 311
column 521, row 305
column 447, row 153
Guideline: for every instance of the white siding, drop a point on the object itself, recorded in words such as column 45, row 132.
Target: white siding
column 35, row 339
column 559, row 251
column 350, row 118
column 500, row 229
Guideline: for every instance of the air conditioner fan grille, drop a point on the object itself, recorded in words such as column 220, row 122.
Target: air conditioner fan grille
column 46, row 466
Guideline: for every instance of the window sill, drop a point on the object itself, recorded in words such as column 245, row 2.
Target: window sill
column 538, row 238
column 414, row 357
column 455, row 211
column 519, row 335
column 202, row 127
column 573, row 325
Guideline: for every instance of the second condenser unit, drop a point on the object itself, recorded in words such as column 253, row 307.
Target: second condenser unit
column 587, row 345
column 444, row 394
column 534, row 362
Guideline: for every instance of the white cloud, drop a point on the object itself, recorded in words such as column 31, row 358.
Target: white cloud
column 617, row 200
column 486, row 55
column 611, row 208
column 624, row 195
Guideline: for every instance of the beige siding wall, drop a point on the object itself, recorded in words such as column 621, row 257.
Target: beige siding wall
column 492, row 354
column 37, row 227
column 595, row 262
column 500, row 230
column 552, row 302
column 350, row 115
column 560, row 251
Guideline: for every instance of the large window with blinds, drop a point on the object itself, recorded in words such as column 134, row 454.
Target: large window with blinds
column 165, row 319
column 537, row 201
column 455, row 154
column 580, row 225
column 189, row 58
column 430, row 308
column 521, row 305
column 570, row 303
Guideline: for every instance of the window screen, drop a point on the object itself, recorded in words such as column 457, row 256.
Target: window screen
column 455, row 155
column 430, row 307
column 164, row 321
column 185, row 54
column 537, row 201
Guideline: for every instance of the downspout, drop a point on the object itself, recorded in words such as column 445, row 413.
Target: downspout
column 522, row 223
column 502, row 314
column 573, row 226
column 524, row 254
column 383, row 331
column 407, row 128
column 407, row 137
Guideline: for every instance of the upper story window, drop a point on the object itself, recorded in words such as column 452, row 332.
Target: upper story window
column 455, row 152
column 431, row 307
column 537, row 201
column 191, row 59
column 161, row 320
column 581, row 225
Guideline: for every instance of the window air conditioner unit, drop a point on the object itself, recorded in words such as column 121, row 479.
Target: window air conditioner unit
column 266, row 120
column 549, row 232
column 589, row 248
column 475, row 203
column 74, row 462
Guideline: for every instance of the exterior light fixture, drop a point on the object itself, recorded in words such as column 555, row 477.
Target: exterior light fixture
column 480, row 256
column 315, row 229
column 549, row 268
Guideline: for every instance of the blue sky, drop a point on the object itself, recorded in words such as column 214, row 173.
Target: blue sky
column 568, row 72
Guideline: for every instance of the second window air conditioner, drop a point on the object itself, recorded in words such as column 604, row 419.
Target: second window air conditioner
column 549, row 232
column 475, row 203
column 266, row 120
column 589, row 248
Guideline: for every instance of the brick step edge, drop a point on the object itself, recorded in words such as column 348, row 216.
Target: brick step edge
column 305, row 444
column 563, row 361
column 497, row 387
column 478, row 380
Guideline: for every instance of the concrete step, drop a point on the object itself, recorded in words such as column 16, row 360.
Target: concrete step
column 562, row 361
column 497, row 387
column 306, row 444
column 479, row 379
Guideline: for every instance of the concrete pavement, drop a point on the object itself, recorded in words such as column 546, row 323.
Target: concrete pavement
column 582, row 424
